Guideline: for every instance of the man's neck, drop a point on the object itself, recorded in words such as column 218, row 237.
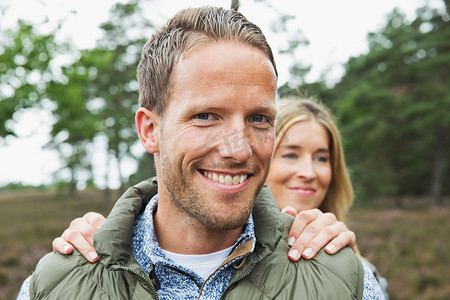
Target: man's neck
column 180, row 233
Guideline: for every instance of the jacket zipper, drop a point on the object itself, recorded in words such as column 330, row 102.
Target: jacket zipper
column 145, row 279
column 236, row 280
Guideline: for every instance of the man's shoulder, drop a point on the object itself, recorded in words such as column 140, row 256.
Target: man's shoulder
column 343, row 263
column 55, row 269
column 337, row 263
column 71, row 277
column 56, row 266
column 325, row 275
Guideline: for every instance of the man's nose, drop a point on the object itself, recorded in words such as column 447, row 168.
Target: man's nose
column 236, row 145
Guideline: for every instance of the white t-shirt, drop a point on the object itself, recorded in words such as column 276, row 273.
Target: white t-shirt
column 202, row 264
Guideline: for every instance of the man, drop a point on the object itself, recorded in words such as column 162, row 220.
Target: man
column 207, row 83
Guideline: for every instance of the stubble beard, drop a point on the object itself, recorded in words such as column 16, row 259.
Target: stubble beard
column 189, row 200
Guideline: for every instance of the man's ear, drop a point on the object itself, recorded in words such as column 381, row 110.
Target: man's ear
column 147, row 124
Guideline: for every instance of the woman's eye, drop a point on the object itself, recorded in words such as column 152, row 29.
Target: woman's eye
column 289, row 156
column 322, row 159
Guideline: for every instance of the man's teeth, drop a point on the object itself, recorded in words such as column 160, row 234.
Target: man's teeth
column 227, row 179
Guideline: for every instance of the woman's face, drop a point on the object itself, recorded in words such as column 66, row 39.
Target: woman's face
column 300, row 172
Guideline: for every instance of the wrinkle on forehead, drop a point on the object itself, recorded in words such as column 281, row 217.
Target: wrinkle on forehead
column 218, row 56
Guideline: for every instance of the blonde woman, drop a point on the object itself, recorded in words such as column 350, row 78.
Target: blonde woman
column 308, row 168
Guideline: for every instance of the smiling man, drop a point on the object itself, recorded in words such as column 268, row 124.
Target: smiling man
column 208, row 229
column 218, row 87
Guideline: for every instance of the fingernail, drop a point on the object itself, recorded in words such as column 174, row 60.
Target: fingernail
column 66, row 248
column 291, row 241
column 294, row 254
column 330, row 248
column 92, row 255
column 287, row 208
column 307, row 252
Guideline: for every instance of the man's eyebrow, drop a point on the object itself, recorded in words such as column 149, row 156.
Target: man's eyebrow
column 267, row 109
column 199, row 108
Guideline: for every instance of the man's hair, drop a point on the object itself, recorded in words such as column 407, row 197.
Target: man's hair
column 339, row 196
column 188, row 28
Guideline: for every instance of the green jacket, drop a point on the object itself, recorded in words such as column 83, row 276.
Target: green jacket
column 266, row 273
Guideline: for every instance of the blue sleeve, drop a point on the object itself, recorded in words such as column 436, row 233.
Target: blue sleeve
column 24, row 293
column 372, row 289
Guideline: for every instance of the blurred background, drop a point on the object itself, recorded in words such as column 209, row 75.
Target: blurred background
column 68, row 93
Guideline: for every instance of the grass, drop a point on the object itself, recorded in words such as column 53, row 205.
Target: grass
column 409, row 246
column 29, row 222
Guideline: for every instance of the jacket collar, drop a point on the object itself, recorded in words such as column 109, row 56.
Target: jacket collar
column 268, row 223
column 113, row 240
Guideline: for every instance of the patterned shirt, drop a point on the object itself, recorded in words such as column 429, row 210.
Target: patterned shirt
column 175, row 281
column 372, row 289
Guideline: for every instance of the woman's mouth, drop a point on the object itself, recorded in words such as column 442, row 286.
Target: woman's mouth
column 303, row 191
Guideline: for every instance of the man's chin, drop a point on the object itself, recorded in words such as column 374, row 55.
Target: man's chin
column 227, row 224
column 226, row 219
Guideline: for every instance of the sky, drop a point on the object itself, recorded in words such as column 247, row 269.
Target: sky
column 336, row 30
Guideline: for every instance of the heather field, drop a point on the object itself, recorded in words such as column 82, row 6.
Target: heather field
column 410, row 246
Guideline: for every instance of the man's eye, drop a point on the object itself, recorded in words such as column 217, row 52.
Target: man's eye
column 203, row 116
column 259, row 118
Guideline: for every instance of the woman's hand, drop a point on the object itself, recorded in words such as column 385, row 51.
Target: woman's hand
column 312, row 230
column 80, row 235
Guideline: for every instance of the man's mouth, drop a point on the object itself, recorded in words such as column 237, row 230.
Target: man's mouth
column 225, row 178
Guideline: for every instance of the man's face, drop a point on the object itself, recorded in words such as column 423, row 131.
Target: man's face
column 217, row 133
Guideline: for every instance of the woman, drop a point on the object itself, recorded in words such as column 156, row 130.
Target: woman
column 308, row 169
column 308, row 174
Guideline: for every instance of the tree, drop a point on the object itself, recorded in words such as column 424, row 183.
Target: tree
column 393, row 104
column 104, row 89
column 26, row 58
column 75, row 126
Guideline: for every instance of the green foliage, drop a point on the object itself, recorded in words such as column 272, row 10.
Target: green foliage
column 25, row 70
column 92, row 96
column 146, row 169
column 116, row 84
column 16, row 186
column 393, row 104
column 99, row 96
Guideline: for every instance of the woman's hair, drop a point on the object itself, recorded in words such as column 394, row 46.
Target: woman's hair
column 339, row 196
